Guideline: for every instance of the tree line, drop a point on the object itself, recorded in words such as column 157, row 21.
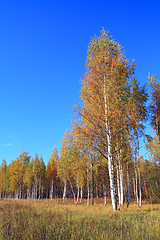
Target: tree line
column 100, row 155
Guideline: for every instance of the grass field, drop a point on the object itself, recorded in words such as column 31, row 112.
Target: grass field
column 51, row 219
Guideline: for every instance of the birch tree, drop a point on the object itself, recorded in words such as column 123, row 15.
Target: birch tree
column 155, row 103
column 103, row 95
column 3, row 178
column 52, row 170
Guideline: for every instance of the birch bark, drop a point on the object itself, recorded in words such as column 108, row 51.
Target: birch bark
column 88, row 186
column 92, row 190
column 64, row 191
column 105, row 194
column 118, row 184
column 128, row 192
column 81, row 194
column 139, row 175
column 121, row 178
column 110, row 156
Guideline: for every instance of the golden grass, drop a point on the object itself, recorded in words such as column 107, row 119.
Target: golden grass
column 53, row 219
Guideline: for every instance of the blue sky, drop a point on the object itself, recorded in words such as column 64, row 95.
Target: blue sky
column 43, row 47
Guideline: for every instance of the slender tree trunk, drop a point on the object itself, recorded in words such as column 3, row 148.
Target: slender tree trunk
column 97, row 191
column 42, row 191
column 105, row 194
column 92, row 184
column 39, row 196
column 20, row 190
column 139, row 174
column 32, row 191
column 1, row 189
column 128, row 192
column 28, row 192
column 77, row 189
column 35, row 187
column 110, row 156
column 136, row 185
column 121, row 178
column 64, row 191
column 118, row 184
column 51, row 192
column 74, row 196
column 77, row 194
column 16, row 195
column 88, row 186
column 140, row 192
column 81, row 194
column 134, row 188
column 118, row 174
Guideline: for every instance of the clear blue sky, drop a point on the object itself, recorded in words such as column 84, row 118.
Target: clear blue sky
column 43, row 47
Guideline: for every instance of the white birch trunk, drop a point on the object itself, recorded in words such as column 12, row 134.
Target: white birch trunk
column 97, row 191
column 136, row 185
column 140, row 192
column 118, row 184
column 121, row 179
column 105, row 194
column 110, row 156
column 51, row 192
column 77, row 188
column 39, row 196
column 139, row 175
column 128, row 192
column 81, row 194
column 32, row 191
column 77, row 195
column 88, row 186
column 20, row 190
column 64, row 191
column 16, row 195
column 92, row 190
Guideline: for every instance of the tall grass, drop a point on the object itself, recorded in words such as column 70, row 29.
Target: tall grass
column 24, row 219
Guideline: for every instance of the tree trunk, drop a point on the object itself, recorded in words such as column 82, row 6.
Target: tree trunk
column 77, row 188
column 1, row 190
column 140, row 193
column 92, row 184
column 74, row 196
column 118, row 184
column 88, row 186
column 136, row 184
column 121, row 178
column 110, row 156
column 81, row 194
column 35, row 188
column 64, row 191
column 105, row 194
column 118, row 173
column 51, row 192
column 128, row 192
column 77, row 195
column 39, row 196
column 16, row 195
column 20, row 190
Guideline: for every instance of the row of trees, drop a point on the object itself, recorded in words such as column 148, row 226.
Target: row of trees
column 76, row 175
column 100, row 155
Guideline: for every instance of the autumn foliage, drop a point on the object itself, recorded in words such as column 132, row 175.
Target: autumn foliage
column 100, row 155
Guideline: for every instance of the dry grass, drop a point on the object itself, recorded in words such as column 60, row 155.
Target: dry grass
column 53, row 219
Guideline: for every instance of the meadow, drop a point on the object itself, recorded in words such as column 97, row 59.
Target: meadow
column 52, row 219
